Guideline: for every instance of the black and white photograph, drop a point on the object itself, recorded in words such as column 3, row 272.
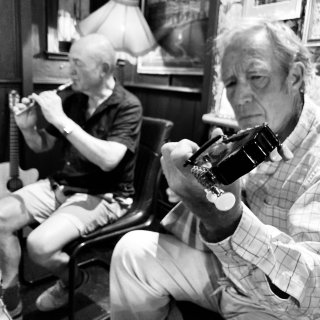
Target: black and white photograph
column 160, row 160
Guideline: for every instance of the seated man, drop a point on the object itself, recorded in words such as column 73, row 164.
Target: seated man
column 260, row 259
column 100, row 127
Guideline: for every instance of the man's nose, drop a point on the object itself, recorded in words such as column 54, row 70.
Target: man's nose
column 72, row 70
column 243, row 93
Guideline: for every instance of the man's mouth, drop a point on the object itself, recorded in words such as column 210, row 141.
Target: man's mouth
column 250, row 120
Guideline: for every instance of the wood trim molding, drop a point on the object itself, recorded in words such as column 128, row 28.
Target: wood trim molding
column 10, row 81
column 57, row 55
column 213, row 120
column 162, row 87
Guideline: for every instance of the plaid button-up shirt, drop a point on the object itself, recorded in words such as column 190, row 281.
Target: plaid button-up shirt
column 279, row 233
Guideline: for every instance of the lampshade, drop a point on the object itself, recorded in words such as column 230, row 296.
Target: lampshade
column 124, row 25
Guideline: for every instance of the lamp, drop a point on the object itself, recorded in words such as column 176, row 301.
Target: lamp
column 124, row 25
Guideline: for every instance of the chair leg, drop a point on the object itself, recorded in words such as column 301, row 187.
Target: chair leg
column 72, row 271
column 32, row 282
column 73, row 265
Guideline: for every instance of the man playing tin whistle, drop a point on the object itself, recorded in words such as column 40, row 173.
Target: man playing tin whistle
column 99, row 125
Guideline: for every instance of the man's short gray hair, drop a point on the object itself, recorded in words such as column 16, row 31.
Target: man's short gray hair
column 101, row 49
column 287, row 46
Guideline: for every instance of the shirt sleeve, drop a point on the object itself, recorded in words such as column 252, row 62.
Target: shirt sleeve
column 291, row 261
column 127, row 125
column 53, row 131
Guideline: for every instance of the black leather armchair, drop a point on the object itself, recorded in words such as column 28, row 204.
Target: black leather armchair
column 142, row 215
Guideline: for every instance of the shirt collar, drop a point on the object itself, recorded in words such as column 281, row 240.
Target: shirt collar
column 115, row 98
column 296, row 137
column 303, row 127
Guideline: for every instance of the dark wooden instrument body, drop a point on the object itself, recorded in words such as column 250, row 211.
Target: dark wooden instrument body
column 232, row 157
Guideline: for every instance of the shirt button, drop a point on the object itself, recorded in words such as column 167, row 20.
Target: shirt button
column 267, row 201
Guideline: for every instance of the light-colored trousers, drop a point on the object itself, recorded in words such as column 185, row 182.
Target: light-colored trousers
column 149, row 271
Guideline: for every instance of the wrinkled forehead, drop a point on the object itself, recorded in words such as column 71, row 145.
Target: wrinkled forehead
column 253, row 49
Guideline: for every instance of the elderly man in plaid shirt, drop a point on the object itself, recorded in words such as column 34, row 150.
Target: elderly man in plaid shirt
column 260, row 259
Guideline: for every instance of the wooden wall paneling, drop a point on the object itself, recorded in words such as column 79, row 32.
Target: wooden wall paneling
column 24, row 11
column 46, row 75
column 131, row 75
column 183, row 108
column 4, row 127
column 10, row 67
column 26, row 41
column 192, row 82
column 210, row 57
column 10, row 40
column 182, row 112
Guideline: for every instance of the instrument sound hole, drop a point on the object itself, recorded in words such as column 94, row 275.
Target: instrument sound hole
column 14, row 184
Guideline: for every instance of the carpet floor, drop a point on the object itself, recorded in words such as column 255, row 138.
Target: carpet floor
column 91, row 300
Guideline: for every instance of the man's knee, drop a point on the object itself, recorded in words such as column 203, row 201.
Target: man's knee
column 37, row 250
column 5, row 226
column 135, row 247
column 9, row 210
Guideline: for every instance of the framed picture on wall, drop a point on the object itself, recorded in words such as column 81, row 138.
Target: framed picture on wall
column 275, row 9
column 180, row 29
column 311, row 29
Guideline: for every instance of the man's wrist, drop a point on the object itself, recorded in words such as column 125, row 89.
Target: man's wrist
column 66, row 127
column 221, row 228
column 30, row 130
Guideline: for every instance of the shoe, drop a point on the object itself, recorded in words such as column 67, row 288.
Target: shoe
column 57, row 296
column 4, row 314
column 53, row 298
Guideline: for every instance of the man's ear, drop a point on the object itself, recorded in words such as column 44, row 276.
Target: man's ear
column 296, row 76
column 105, row 68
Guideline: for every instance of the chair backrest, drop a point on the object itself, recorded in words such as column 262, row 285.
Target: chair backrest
column 154, row 133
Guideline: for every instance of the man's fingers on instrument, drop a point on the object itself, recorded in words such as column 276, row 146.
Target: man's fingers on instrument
column 167, row 148
column 282, row 152
column 162, row 162
column 163, row 165
column 49, row 96
column 274, row 156
column 37, row 98
column 19, row 108
column 216, row 132
column 177, row 149
column 186, row 146
column 285, row 152
column 183, row 151
column 25, row 100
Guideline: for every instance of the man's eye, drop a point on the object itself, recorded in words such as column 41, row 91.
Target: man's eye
column 259, row 81
column 230, row 84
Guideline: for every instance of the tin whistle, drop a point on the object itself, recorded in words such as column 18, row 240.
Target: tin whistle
column 30, row 103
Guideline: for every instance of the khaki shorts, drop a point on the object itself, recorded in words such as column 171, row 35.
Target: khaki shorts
column 86, row 212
